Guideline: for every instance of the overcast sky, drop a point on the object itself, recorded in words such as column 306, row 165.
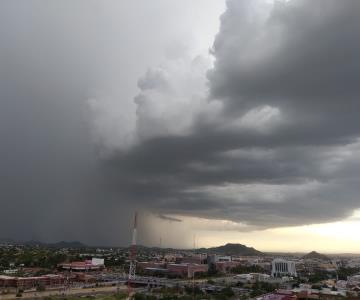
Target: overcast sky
column 230, row 121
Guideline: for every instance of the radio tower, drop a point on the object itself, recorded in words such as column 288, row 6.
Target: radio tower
column 132, row 268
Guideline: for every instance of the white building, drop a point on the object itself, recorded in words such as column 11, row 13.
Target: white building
column 282, row 267
column 223, row 258
column 261, row 277
column 97, row 261
column 10, row 271
column 354, row 280
column 252, row 277
column 244, row 277
column 353, row 263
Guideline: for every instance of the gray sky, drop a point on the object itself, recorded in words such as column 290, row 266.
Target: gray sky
column 109, row 106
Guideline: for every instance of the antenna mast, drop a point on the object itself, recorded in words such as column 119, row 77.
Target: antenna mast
column 132, row 268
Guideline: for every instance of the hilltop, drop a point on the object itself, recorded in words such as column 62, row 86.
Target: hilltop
column 227, row 249
column 233, row 249
column 36, row 243
column 316, row 255
column 58, row 245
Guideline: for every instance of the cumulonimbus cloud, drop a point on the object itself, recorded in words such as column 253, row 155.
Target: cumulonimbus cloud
column 277, row 148
column 263, row 134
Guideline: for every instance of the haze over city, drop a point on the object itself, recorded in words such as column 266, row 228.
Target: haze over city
column 217, row 121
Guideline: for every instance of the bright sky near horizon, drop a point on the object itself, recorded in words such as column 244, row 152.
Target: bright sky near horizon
column 335, row 237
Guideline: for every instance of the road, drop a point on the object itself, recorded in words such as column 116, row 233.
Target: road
column 72, row 291
column 105, row 289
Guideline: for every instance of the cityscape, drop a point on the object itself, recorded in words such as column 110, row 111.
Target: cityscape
column 179, row 149
column 232, row 271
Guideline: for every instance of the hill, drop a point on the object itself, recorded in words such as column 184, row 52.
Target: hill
column 64, row 244
column 316, row 255
column 228, row 249
column 58, row 245
column 8, row 241
column 233, row 249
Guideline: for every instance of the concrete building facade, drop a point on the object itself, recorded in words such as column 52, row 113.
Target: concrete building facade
column 282, row 267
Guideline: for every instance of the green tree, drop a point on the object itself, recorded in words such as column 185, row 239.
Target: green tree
column 228, row 292
column 139, row 296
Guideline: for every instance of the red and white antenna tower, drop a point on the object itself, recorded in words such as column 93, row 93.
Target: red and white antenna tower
column 132, row 268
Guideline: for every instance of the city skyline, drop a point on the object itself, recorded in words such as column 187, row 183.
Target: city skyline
column 231, row 121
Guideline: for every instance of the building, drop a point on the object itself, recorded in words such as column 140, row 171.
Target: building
column 142, row 265
column 353, row 281
column 84, row 277
column 278, row 295
column 152, row 268
column 244, row 277
column 177, row 269
column 260, row 277
column 252, row 277
column 94, row 264
column 226, row 266
column 171, row 257
column 186, row 270
column 222, row 264
column 194, row 259
column 325, row 293
column 353, row 263
column 10, row 271
column 218, row 258
column 223, row 258
column 156, row 271
column 97, row 261
column 31, row 282
column 282, row 267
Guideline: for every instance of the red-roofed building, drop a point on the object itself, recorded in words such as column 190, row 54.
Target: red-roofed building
column 31, row 282
column 88, row 265
column 187, row 270
column 278, row 295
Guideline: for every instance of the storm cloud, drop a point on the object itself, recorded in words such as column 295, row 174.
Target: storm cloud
column 274, row 142
column 265, row 133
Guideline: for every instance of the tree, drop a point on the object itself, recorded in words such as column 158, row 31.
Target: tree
column 120, row 296
column 139, row 296
column 19, row 294
column 316, row 287
column 343, row 273
column 193, row 290
column 228, row 292
column 40, row 288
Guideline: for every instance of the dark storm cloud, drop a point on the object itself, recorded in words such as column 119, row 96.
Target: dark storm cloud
column 54, row 56
column 302, row 57
column 279, row 151
column 274, row 143
column 303, row 190
column 168, row 218
column 48, row 167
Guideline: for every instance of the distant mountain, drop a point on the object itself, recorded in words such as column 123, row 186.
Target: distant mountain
column 34, row 243
column 316, row 255
column 62, row 244
column 233, row 249
column 8, row 241
column 228, row 249
column 72, row 244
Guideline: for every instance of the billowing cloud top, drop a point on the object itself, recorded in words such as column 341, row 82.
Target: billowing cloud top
column 265, row 133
